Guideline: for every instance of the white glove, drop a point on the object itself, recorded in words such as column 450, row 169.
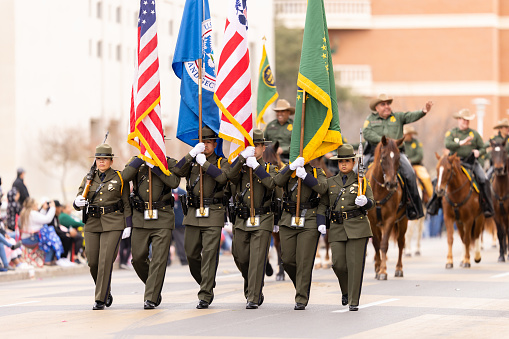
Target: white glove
column 361, row 200
column 299, row 162
column 252, row 162
column 275, row 229
column 199, row 148
column 126, row 233
column 322, row 229
column 248, row 152
column 201, row 158
column 301, row 173
column 80, row 201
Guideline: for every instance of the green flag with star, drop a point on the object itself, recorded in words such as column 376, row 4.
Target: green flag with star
column 322, row 133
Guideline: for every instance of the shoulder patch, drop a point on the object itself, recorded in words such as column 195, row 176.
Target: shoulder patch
column 366, row 123
column 414, row 145
column 289, row 127
column 471, row 133
column 392, row 119
column 447, row 133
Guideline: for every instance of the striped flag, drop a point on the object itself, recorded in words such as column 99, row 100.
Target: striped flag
column 233, row 84
column 145, row 126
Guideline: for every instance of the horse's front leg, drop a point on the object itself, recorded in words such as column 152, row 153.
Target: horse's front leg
column 449, row 226
column 402, row 228
column 384, row 247
column 466, row 242
column 376, row 246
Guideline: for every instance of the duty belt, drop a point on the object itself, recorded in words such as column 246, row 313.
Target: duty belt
column 96, row 211
column 244, row 212
column 338, row 217
column 193, row 201
column 141, row 206
column 291, row 206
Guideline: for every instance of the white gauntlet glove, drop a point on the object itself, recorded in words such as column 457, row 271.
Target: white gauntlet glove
column 80, row 201
column 252, row 162
column 361, row 200
column 322, row 229
column 301, row 173
column 248, row 152
column 127, row 233
column 199, row 148
column 299, row 162
column 201, row 158
column 275, row 229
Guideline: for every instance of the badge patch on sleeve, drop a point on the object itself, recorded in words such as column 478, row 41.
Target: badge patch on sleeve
column 110, row 187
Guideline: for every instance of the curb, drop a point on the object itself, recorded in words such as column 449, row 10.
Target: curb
column 44, row 272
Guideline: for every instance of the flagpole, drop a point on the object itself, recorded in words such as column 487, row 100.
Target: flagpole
column 301, row 149
column 252, row 209
column 200, row 134
column 150, row 212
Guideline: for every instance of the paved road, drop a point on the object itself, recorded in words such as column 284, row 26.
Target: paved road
column 429, row 301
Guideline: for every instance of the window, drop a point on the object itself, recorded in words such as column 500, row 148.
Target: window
column 118, row 54
column 170, row 27
column 99, row 49
column 89, row 47
column 118, row 15
column 99, row 10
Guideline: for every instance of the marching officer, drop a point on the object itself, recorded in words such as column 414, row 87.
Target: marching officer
column 108, row 212
column 467, row 143
column 203, row 230
column 383, row 121
column 251, row 242
column 349, row 230
column 300, row 240
column 151, row 226
column 280, row 129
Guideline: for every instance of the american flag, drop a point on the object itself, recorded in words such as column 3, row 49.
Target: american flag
column 145, row 128
column 233, row 84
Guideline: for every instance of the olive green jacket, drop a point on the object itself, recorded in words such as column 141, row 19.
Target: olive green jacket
column 113, row 190
column 375, row 127
column 274, row 131
column 455, row 135
column 160, row 183
column 285, row 180
column 354, row 228
column 414, row 152
column 263, row 187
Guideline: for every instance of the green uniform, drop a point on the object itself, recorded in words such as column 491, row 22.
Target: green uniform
column 413, row 151
column 348, row 236
column 202, row 235
column 274, row 131
column 455, row 135
column 497, row 138
column 155, row 232
column 298, row 244
column 104, row 231
column 251, row 244
column 375, row 126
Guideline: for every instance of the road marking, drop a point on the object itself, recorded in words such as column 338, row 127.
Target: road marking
column 23, row 303
column 501, row 275
column 228, row 276
column 368, row 305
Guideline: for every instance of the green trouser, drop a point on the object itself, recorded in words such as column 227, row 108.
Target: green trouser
column 152, row 271
column 348, row 259
column 102, row 249
column 202, row 250
column 250, row 250
column 298, row 250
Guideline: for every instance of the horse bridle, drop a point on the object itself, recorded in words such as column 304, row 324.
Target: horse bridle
column 456, row 206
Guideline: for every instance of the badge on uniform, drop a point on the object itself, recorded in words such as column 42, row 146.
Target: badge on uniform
column 110, row 187
column 352, row 190
column 256, row 221
column 150, row 214
column 205, row 213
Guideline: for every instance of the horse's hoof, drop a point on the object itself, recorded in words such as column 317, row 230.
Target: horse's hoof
column 408, row 254
column 462, row 264
column 383, row 276
column 501, row 259
column 280, row 277
column 398, row 274
column 447, row 266
column 466, row 265
column 418, row 254
column 477, row 260
column 377, row 276
column 317, row 266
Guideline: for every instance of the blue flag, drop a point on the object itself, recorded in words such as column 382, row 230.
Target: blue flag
column 195, row 42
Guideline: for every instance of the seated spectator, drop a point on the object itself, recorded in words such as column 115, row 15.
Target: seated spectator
column 34, row 230
column 68, row 236
column 5, row 242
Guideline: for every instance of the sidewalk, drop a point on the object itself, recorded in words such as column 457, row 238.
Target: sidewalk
column 44, row 272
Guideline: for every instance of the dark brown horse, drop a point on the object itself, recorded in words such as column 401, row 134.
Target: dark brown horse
column 388, row 218
column 460, row 202
column 500, row 184
column 270, row 155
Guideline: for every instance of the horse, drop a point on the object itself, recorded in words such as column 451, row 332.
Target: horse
column 500, row 185
column 415, row 226
column 388, row 218
column 461, row 204
column 270, row 155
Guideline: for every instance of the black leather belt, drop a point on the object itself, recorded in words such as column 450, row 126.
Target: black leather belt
column 291, row 206
column 96, row 211
column 141, row 206
column 338, row 217
column 195, row 201
column 244, row 212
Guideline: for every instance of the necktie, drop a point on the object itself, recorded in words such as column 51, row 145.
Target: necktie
column 102, row 176
column 344, row 179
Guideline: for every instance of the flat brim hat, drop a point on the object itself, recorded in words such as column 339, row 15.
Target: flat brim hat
column 381, row 98
column 207, row 134
column 258, row 137
column 345, row 151
column 104, row 151
column 464, row 114
column 409, row 130
column 284, row 105
column 502, row 123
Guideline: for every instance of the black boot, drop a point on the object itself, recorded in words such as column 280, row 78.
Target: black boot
column 434, row 204
column 414, row 204
column 485, row 198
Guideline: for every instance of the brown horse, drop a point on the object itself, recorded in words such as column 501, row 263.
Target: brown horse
column 270, row 155
column 388, row 218
column 500, row 184
column 461, row 204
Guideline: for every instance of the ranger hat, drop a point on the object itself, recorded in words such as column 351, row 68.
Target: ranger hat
column 104, row 151
column 464, row 114
column 258, row 137
column 502, row 123
column 345, row 151
column 407, row 129
column 284, row 105
column 381, row 98
column 207, row 134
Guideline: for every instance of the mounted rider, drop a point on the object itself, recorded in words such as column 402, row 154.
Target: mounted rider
column 414, row 153
column 503, row 134
column 383, row 121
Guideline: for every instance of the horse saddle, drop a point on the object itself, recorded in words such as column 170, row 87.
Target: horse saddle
column 470, row 175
